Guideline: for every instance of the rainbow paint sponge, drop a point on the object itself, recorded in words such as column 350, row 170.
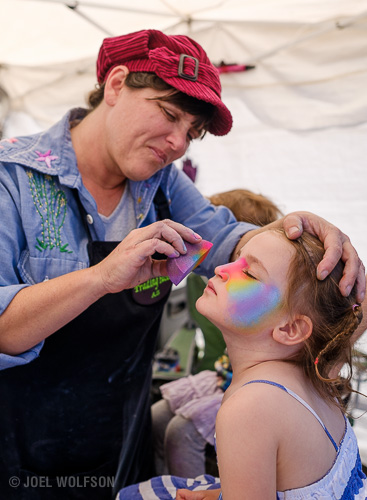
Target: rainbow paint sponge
column 179, row 267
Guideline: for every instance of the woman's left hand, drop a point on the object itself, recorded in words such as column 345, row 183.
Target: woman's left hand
column 337, row 246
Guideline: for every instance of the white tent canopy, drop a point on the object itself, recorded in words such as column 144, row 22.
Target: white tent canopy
column 299, row 116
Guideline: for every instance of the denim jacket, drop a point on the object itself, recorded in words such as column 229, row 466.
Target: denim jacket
column 42, row 234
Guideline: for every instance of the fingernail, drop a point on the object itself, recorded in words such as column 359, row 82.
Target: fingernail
column 362, row 296
column 184, row 246
column 323, row 275
column 348, row 289
column 197, row 236
column 174, row 254
column 293, row 230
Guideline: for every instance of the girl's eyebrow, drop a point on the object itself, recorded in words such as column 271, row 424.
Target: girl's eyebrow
column 251, row 259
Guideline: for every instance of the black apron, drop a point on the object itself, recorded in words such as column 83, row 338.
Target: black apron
column 75, row 422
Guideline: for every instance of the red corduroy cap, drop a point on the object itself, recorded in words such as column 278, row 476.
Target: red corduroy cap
column 177, row 59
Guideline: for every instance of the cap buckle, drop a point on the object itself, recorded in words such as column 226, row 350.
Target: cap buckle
column 181, row 73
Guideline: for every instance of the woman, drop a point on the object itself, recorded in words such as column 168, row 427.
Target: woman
column 79, row 206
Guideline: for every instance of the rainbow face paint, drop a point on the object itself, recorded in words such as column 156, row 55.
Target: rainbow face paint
column 249, row 300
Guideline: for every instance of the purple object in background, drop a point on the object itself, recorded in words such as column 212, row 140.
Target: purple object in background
column 189, row 169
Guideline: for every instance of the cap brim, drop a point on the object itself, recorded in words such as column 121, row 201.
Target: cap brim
column 222, row 120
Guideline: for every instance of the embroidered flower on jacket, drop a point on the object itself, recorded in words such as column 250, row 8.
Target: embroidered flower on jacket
column 46, row 157
column 51, row 205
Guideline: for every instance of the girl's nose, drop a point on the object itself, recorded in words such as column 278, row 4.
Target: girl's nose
column 231, row 269
column 222, row 271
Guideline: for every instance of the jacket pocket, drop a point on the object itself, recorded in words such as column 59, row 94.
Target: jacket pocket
column 36, row 269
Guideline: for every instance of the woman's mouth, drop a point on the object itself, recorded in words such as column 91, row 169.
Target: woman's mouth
column 159, row 154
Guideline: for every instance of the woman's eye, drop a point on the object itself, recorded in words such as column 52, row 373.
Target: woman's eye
column 250, row 275
column 169, row 115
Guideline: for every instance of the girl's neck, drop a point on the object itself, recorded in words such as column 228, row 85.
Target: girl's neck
column 247, row 350
column 254, row 355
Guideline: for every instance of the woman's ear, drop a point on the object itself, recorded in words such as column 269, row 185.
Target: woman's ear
column 295, row 331
column 114, row 83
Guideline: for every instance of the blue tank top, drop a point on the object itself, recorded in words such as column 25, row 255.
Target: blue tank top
column 345, row 480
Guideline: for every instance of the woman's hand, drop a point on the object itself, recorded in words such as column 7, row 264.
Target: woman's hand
column 197, row 495
column 131, row 262
column 337, row 246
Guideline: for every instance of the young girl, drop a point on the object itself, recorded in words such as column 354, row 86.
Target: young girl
column 183, row 421
column 281, row 431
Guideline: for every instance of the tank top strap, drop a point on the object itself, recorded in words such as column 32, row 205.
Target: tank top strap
column 300, row 400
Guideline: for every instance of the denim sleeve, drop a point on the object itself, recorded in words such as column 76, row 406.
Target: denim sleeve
column 7, row 361
column 215, row 224
column 11, row 241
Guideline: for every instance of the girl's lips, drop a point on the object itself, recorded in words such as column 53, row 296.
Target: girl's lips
column 210, row 287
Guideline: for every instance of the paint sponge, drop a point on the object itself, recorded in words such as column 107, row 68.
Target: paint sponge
column 179, row 267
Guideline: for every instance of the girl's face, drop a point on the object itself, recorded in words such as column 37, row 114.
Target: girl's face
column 247, row 294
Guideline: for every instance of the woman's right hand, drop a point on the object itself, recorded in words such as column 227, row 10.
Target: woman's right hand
column 131, row 263
column 39, row 310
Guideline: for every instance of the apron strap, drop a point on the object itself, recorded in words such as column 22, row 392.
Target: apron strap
column 161, row 205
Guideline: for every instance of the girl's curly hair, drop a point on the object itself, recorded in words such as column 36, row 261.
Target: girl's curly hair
column 334, row 318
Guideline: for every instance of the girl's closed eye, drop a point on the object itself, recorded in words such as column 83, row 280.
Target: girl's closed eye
column 247, row 273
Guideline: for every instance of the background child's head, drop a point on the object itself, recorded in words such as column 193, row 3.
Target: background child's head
column 334, row 317
column 247, row 206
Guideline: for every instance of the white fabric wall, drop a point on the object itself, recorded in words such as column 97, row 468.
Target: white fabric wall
column 299, row 117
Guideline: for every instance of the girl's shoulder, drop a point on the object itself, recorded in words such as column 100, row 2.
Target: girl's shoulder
column 267, row 411
column 284, row 403
column 253, row 403
column 265, row 380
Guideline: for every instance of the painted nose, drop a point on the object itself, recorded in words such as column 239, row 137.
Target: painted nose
column 223, row 271
column 226, row 270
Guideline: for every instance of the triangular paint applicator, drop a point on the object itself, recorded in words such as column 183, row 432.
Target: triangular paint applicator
column 179, row 267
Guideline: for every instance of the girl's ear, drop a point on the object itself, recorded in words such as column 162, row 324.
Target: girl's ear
column 114, row 83
column 293, row 332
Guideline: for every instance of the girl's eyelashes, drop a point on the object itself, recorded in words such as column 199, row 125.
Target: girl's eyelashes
column 249, row 275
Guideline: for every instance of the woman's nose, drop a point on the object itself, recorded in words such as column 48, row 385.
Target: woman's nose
column 178, row 141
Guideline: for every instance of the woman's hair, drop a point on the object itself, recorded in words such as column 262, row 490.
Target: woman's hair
column 203, row 110
column 334, row 318
column 247, row 206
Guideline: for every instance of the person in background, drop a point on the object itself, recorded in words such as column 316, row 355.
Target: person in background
column 84, row 207
column 183, row 421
